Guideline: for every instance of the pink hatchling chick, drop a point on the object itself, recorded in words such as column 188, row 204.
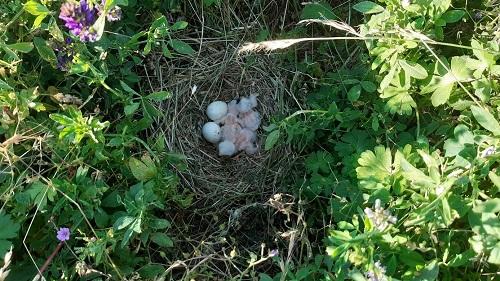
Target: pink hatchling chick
column 245, row 139
column 231, row 132
column 232, row 107
column 250, row 120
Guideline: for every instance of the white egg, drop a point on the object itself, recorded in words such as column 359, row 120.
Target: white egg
column 211, row 132
column 227, row 148
column 216, row 110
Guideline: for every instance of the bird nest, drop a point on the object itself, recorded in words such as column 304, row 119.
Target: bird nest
column 217, row 72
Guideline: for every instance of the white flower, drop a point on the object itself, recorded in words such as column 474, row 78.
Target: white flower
column 380, row 217
column 405, row 3
column 377, row 273
column 488, row 152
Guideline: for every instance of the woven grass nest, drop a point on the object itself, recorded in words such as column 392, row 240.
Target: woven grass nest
column 217, row 72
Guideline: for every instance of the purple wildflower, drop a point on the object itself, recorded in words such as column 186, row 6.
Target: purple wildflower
column 274, row 253
column 64, row 54
column 63, row 234
column 79, row 18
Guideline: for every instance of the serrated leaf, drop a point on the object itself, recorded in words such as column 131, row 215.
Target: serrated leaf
column 181, row 47
column 143, row 170
column 162, row 240
column 486, row 119
column 368, row 7
column 319, row 161
column 8, row 230
column 375, row 167
column 131, row 108
column 400, row 101
column 159, row 96
column 415, row 70
column 442, row 94
column 272, row 139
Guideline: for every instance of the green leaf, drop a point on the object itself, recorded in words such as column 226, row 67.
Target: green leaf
column 123, row 222
column 368, row 7
column 411, row 258
column 127, row 88
column 272, row 139
column 462, row 258
column 23, row 47
column 143, row 169
column 160, row 224
column 460, row 68
column 442, row 94
column 61, row 119
column 8, row 230
column 368, row 86
column 159, row 96
column 162, row 240
column 150, row 271
column 181, row 47
column 318, row 10
column 375, row 167
column 55, row 31
column 488, row 206
column 452, row 16
column 38, row 21
column 131, row 108
column 400, row 101
column 265, row 277
column 36, row 8
column 414, row 69
column 179, row 25
column 4, row 85
column 495, row 179
column 354, row 93
column 495, row 255
column 44, row 50
column 429, row 273
column 486, row 119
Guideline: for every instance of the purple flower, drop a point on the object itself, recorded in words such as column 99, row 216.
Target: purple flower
column 64, row 54
column 79, row 19
column 274, row 253
column 63, row 234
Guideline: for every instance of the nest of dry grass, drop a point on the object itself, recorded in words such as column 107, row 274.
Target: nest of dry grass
column 232, row 207
column 217, row 72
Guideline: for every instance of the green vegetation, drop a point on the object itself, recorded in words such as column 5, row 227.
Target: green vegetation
column 379, row 153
